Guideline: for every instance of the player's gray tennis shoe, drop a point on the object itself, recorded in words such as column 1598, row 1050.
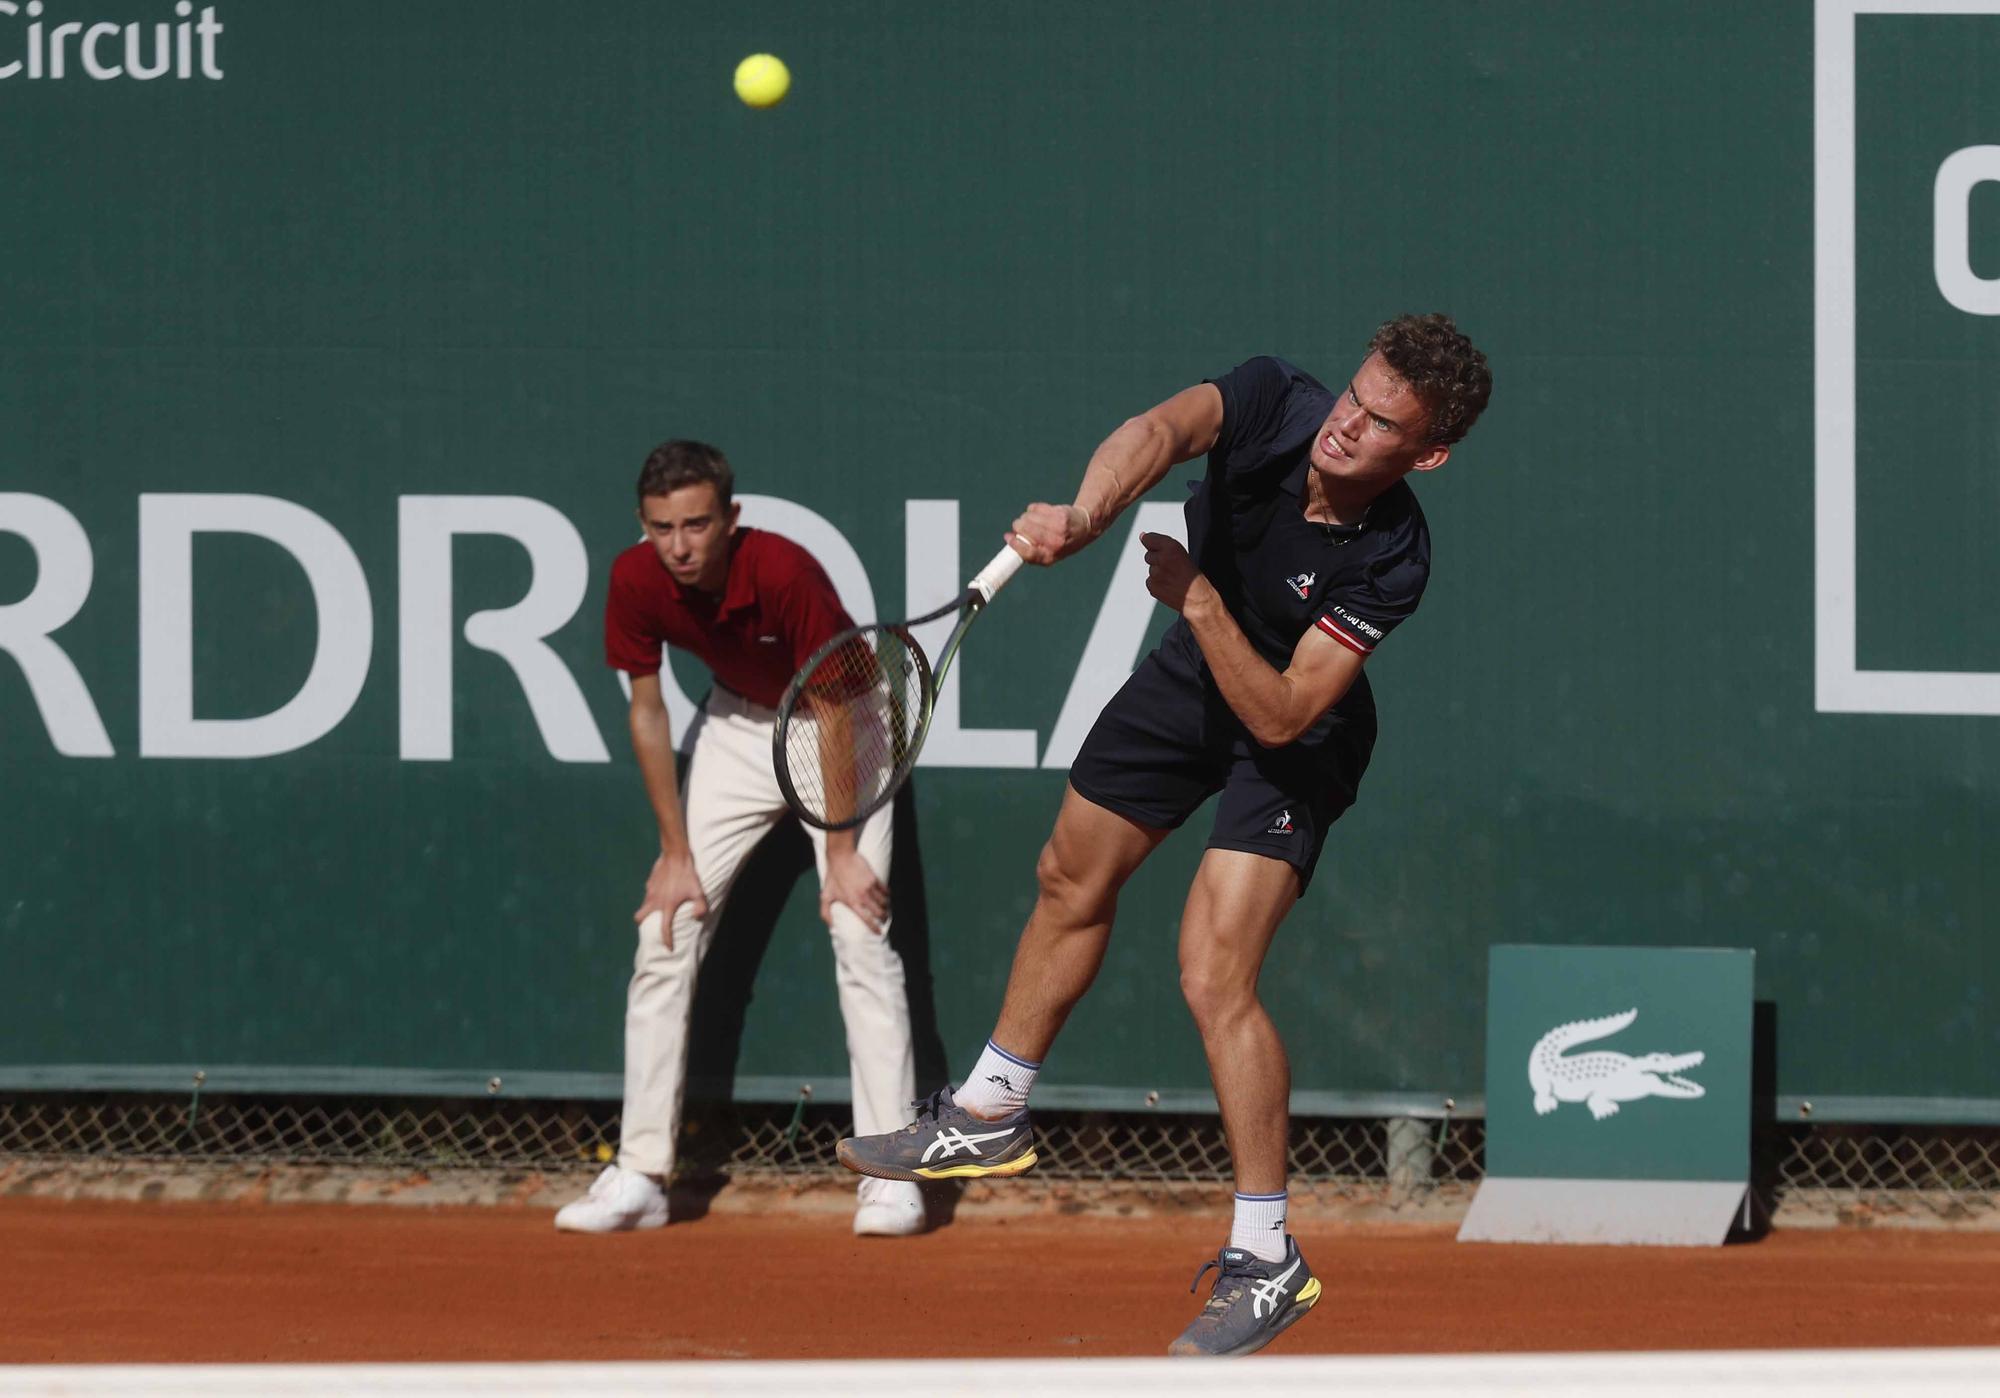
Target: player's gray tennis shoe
column 945, row 1142
column 1254, row 1302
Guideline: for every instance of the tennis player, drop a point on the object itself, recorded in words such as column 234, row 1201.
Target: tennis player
column 1306, row 549
column 752, row 606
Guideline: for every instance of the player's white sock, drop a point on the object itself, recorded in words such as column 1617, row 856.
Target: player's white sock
column 999, row 1085
column 1259, row 1228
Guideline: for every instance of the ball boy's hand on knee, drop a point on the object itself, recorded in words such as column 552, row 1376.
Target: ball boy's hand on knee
column 849, row 880
column 671, row 884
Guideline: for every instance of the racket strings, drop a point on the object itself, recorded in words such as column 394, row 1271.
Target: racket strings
column 854, row 725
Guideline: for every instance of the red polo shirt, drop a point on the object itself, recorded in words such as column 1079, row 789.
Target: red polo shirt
column 777, row 607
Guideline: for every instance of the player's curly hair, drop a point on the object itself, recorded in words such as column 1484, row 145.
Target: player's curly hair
column 671, row 465
column 1448, row 375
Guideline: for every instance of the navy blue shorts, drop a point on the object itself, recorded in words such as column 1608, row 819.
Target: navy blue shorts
column 1167, row 742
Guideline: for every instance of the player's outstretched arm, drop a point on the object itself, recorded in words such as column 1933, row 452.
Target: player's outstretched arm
column 1275, row 705
column 1127, row 464
column 672, row 881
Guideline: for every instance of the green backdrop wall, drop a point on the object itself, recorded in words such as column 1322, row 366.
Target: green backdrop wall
column 405, row 251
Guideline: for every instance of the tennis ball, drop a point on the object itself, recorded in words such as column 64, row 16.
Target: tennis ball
column 762, row 80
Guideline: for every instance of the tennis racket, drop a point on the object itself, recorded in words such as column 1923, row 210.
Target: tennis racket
column 854, row 717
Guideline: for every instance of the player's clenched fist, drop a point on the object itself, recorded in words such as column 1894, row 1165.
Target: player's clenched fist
column 1170, row 574
column 1049, row 533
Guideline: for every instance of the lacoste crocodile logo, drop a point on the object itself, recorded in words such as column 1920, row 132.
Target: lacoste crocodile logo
column 1603, row 1079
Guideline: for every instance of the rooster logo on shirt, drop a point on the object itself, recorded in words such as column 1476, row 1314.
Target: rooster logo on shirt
column 1302, row 584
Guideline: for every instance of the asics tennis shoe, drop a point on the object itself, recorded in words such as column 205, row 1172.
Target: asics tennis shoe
column 1253, row 1302
column 619, row 1201
column 945, row 1142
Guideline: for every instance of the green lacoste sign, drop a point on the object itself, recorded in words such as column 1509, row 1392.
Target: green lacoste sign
column 1617, row 1093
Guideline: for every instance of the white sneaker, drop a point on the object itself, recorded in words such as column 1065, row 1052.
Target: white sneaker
column 619, row 1200
column 888, row 1209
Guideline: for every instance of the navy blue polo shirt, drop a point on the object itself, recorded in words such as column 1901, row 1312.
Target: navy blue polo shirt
column 1278, row 573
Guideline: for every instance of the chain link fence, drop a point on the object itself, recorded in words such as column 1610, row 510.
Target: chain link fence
column 1858, row 1174
column 1864, row 1174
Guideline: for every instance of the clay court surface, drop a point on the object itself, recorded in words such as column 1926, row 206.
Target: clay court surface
column 88, row 1282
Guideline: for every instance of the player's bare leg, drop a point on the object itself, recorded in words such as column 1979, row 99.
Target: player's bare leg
column 1234, row 907
column 1262, row 1284
column 1085, row 863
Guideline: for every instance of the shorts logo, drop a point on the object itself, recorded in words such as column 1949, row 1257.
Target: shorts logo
column 1302, row 584
column 1282, row 825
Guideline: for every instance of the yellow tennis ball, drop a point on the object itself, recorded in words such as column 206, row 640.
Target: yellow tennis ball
column 762, row 80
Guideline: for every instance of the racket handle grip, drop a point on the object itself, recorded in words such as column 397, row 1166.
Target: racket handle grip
column 994, row 575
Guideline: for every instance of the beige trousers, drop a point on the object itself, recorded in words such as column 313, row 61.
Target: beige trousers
column 732, row 801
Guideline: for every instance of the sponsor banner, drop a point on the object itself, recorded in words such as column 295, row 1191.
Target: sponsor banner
column 1618, row 1063
column 1617, row 1095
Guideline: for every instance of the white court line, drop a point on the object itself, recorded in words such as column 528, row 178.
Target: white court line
column 1919, row 1373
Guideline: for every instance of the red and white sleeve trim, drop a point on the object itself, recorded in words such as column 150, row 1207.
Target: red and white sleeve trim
column 1342, row 635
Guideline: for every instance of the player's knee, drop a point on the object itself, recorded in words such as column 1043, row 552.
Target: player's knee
column 1213, row 995
column 1062, row 883
column 1198, row 989
column 1051, row 878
